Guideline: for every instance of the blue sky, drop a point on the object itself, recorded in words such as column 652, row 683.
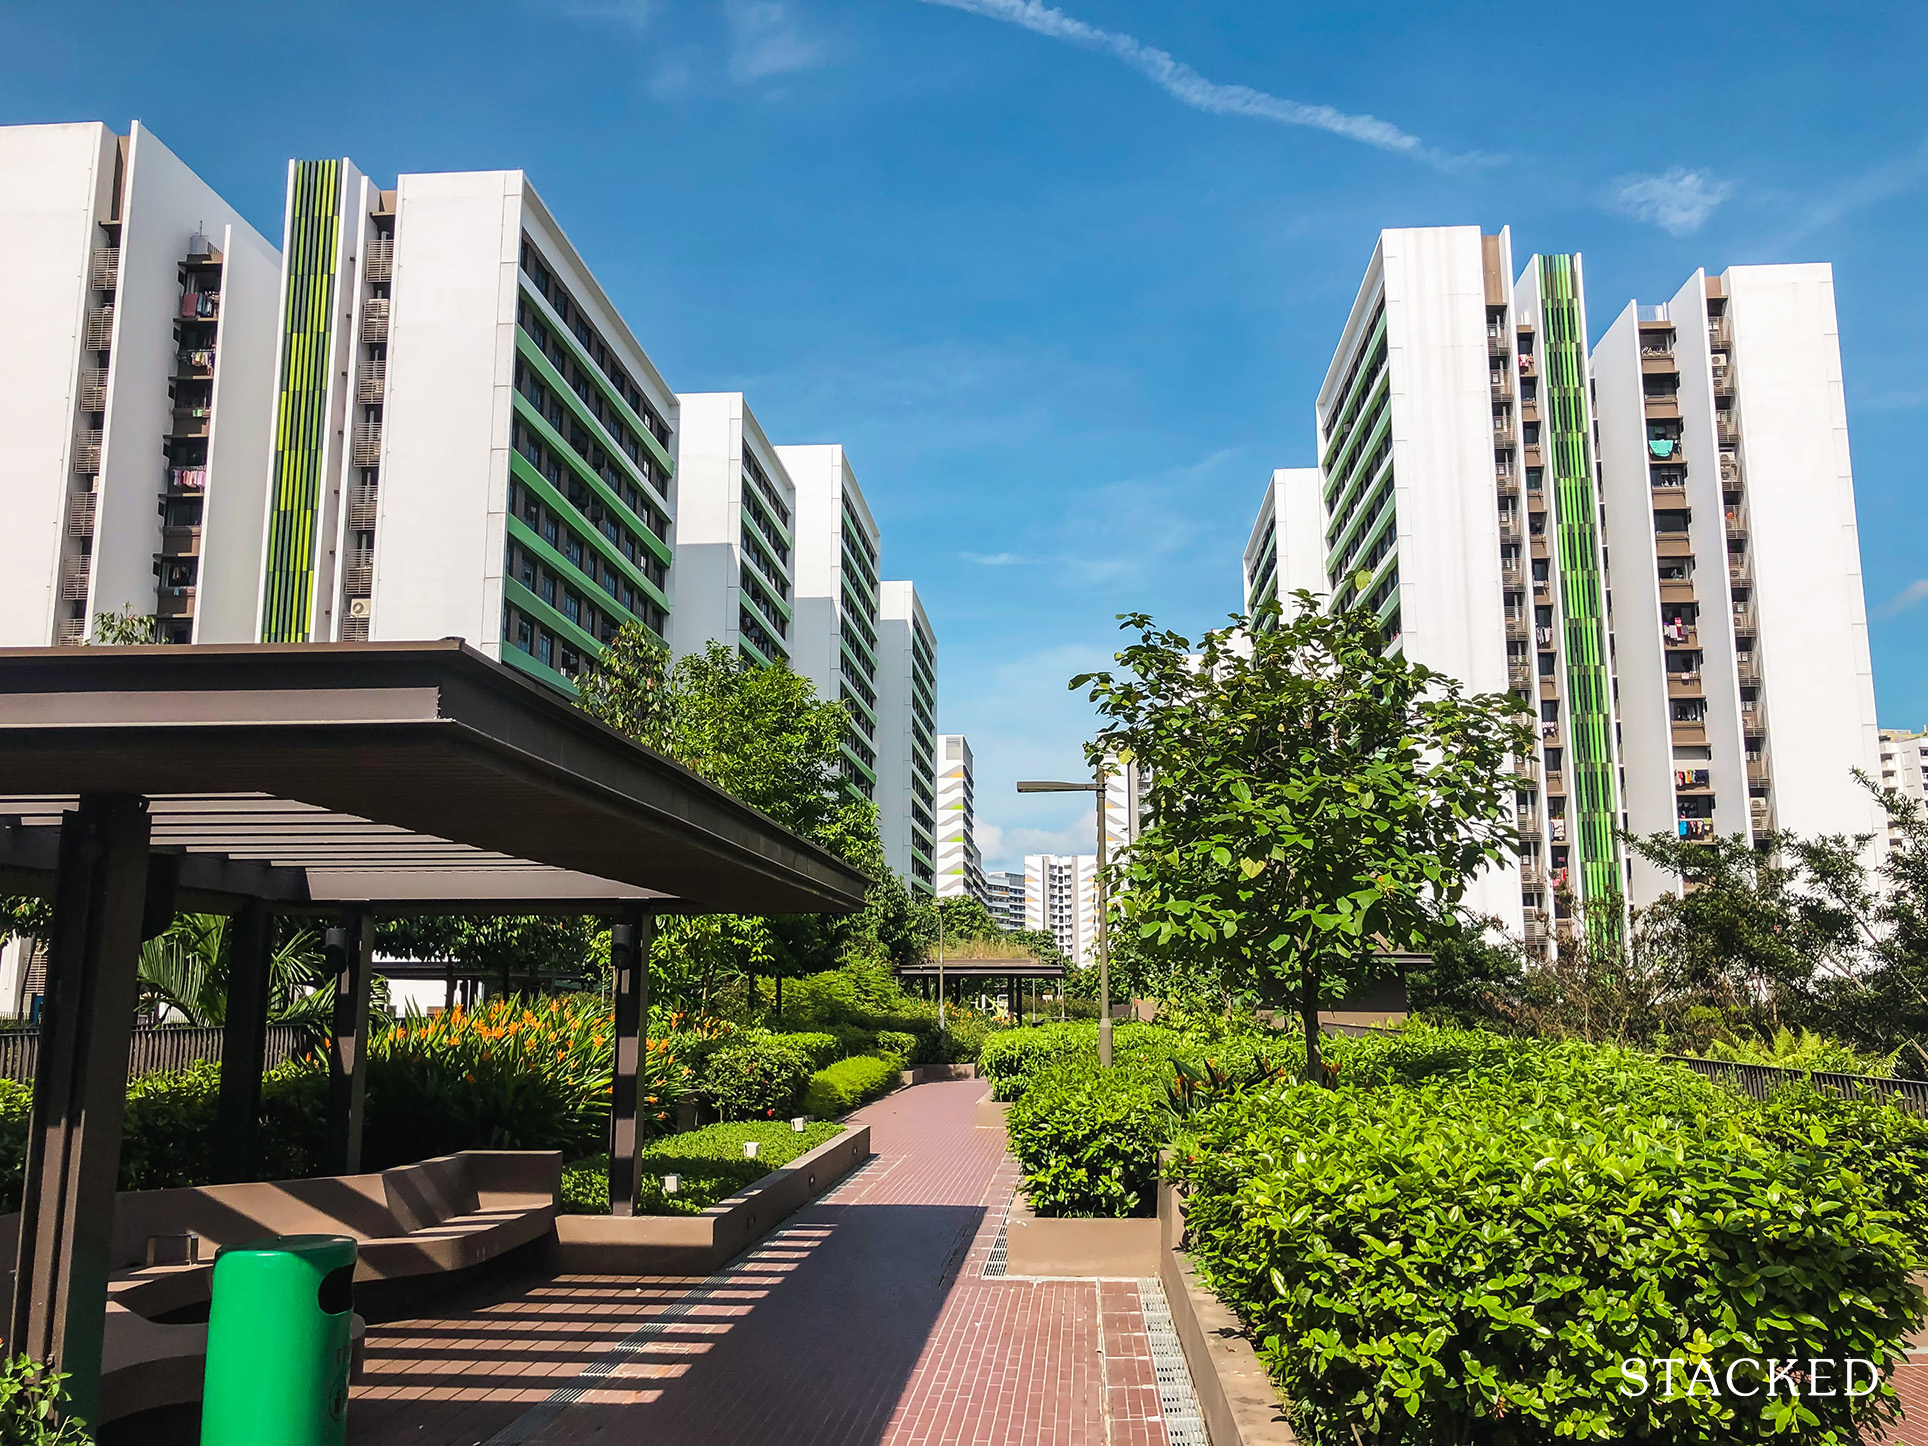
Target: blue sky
column 1064, row 280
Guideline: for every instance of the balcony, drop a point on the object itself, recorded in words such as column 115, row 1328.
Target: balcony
column 1730, row 470
column 378, row 259
column 1510, row 529
column 1532, row 873
column 93, row 389
column 358, row 576
column 1691, row 732
column 1542, row 587
column 192, row 421
column 1526, row 770
column 80, row 513
column 1537, row 933
column 1519, row 675
column 1558, row 827
column 1758, row 775
column 73, row 578
column 1498, row 343
column 1502, row 432
column 1747, row 667
column 104, row 269
column 174, row 602
column 100, row 328
column 87, row 454
column 180, row 542
column 1516, row 629
column 1529, row 827
column 1555, row 781
column 1719, row 336
column 371, row 382
column 70, row 632
column 1744, row 624
column 1736, row 523
column 367, row 445
column 1727, row 428
column 361, row 509
column 374, row 321
column 196, row 363
column 1501, row 385
column 1740, row 570
column 1723, row 383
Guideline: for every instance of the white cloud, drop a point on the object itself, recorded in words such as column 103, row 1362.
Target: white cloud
column 1678, row 201
column 1187, row 86
column 1911, row 596
column 765, row 41
column 996, row 559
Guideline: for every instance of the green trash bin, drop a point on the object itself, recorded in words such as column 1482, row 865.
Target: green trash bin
column 278, row 1343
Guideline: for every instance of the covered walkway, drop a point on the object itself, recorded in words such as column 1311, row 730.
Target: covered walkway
column 867, row 1319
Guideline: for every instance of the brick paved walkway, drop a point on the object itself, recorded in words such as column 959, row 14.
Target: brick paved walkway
column 866, row 1321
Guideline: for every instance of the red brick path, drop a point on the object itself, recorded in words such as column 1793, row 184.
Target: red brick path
column 865, row 1322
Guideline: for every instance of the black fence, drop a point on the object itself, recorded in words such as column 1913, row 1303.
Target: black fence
column 165, row 1047
column 1758, row 1081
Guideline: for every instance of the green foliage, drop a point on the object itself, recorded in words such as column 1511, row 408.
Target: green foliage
column 1805, row 1050
column 125, row 628
column 532, row 952
column 185, row 970
column 851, row 1082
column 16, row 1106
column 34, row 1406
column 26, row 916
column 1464, row 1241
column 710, row 1162
column 1088, row 1141
column 1314, row 799
column 819, row 1049
column 1009, row 1058
column 900, row 1042
column 754, row 1077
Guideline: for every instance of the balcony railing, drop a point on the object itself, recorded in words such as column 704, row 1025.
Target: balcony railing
column 73, row 579
column 358, row 577
column 1727, row 428
column 1516, row 629
column 105, row 269
column 1502, row 386
column 93, row 389
column 1744, row 624
column 374, row 325
column 378, row 259
column 1758, row 775
column 1723, row 383
column 1740, row 571
column 1730, row 470
column 367, row 447
column 1748, row 669
column 87, row 453
column 1510, row 529
column 371, row 382
column 1719, row 337
column 1519, row 675
column 100, row 328
column 1502, row 433
column 1736, row 523
column 80, row 514
column 361, row 509
column 1498, row 343
column 70, row 632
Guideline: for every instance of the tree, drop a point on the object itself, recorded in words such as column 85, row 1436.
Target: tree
column 533, row 950
column 1314, row 800
column 185, row 970
column 125, row 628
column 966, row 918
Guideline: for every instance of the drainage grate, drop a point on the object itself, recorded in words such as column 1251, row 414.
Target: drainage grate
column 995, row 1262
column 1184, row 1424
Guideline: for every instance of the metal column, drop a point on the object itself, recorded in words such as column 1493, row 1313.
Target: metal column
column 80, row 1092
column 244, row 1042
column 629, row 944
column 350, row 954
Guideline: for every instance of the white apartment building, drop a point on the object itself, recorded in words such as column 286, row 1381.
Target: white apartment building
column 960, row 867
column 735, row 514
column 1746, row 691
column 1904, row 767
column 1004, row 897
column 470, row 441
column 136, row 398
column 837, row 597
column 1285, row 553
column 907, row 736
column 1060, row 897
column 1419, row 512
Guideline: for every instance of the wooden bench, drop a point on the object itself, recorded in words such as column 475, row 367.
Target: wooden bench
column 432, row 1218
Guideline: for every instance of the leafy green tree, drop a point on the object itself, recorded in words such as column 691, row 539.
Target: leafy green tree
column 965, row 918
column 125, row 628
column 1314, row 800
column 185, row 970
column 529, row 951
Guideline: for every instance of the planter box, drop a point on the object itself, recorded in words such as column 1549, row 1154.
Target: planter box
column 1084, row 1249
column 700, row 1244
column 991, row 1113
column 936, row 1073
column 1235, row 1396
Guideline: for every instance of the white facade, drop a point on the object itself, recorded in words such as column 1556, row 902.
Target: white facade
column 1060, row 897
column 837, row 597
column 137, row 396
column 1904, row 767
column 1745, row 687
column 960, row 867
column 1286, row 552
column 736, row 506
column 907, row 736
column 1004, row 897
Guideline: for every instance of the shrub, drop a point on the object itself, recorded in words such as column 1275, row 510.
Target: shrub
column 1088, row 1141
column 818, row 1048
column 899, row 1042
column 33, row 1407
column 1466, row 1242
column 710, row 1162
column 850, row 1083
column 754, row 1077
column 1010, row 1056
column 16, row 1104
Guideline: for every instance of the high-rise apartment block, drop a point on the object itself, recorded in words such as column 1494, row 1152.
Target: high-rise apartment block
column 960, row 867
column 135, row 392
column 1004, row 897
column 1480, row 471
column 1060, row 898
column 1904, row 767
column 907, row 736
column 735, row 543
column 838, row 597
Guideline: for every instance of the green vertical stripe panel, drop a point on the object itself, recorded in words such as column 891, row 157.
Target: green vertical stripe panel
column 301, row 405
column 1595, row 790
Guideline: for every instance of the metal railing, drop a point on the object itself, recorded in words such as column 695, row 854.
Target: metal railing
column 70, row 632
column 367, row 446
column 375, row 319
column 371, row 382
column 163, row 1047
column 105, row 271
column 361, row 509
column 1760, row 1081
column 378, row 259
column 73, row 579
column 93, row 389
column 87, row 453
column 100, row 329
column 80, row 513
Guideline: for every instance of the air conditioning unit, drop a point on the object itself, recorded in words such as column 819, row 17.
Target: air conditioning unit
column 360, row 607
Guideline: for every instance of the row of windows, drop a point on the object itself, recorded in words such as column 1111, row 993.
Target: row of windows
column 760, row 482
column 597, row 616
column 586, row 391
column 760, row 595
column 585, row 501
column 564, row 305
column 854, row 532
column 855, row 742
column 588, row 450
column 864, row 690
column 539, row 643
column 1373, row 362
column 772, row 573
column 750, row 627
column 856, row 620
column 560, row 534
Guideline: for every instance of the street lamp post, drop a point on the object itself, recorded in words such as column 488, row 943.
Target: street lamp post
column 1097, row 786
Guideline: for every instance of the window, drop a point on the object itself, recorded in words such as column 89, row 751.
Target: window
column 545, row 648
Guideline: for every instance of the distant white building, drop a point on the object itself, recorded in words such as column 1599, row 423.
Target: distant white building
column 907, row 736
column 1004, row 897
column 1286, row 552
column 137, row 392
column 1904, row 766
column 960, row 867
column 1060, row 897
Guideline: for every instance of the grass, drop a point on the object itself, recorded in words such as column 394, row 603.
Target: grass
column 709, row 1161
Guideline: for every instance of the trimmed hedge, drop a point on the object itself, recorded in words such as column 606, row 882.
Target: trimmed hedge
column 1466, row 1240
column 754, row 1077
column 710, row 1162
column 819, row 1049
column 851, row 1082
column 1088, row 1142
